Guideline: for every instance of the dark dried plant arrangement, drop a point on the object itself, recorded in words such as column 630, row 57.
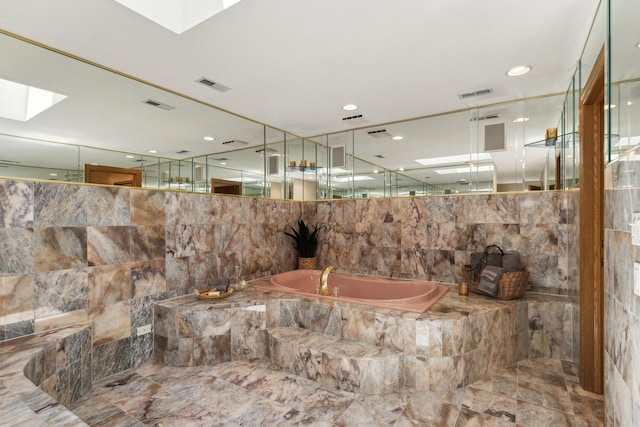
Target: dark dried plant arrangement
column 305, row 241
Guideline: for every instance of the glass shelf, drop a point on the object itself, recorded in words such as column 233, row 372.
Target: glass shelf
column 543, row 143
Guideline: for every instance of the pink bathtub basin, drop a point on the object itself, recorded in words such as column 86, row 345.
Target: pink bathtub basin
column 407, row 295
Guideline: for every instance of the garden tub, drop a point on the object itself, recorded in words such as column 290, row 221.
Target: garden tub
column 406, row 295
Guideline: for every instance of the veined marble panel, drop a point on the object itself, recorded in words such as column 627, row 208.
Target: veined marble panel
column 148, row 278
column 148, row 207
column 107, row 206
column 17, row 246
column 60, row 205
column 147, row 243
column 60, row 291
column 111, row 322
column 108, row 245
column 17, row 298
column 109, row 284
column 16, row 204
column 60, row 248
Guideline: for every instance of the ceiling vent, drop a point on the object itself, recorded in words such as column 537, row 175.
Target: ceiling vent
column 355, row 120
column 221, row 159
column 234, row 143
column 268, row 150
column 380, row 156
column 159, row 104
column 486, row 117
column 182, row 152
column 214, row 85
column 379, row 133
column 476, row 93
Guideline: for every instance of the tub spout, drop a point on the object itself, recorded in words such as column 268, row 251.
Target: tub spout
column 324, row 287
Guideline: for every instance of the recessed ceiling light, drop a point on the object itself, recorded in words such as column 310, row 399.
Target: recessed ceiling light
column 375, row 171
column 128, row 156
column 629, row 102
column 53, row 174
column 521, row 120
column 152, row 151
column 223, row 163
column 401, row 169
column 638, row 45
column 610, row 106
column 209, row 138
column 349, row 107
column 398, row 138
column 518, row 70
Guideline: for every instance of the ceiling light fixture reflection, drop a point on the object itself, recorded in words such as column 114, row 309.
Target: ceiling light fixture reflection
column 401, row 169
column 521, row 120
column 152, row 151
column 128, row 156
column 518, row 70
column 467, row 169
column 610, row 106
column 223, row 163
column 355, row 178
column 464, row 158
column 349, row 107
column 398, row 138
column 209, row 138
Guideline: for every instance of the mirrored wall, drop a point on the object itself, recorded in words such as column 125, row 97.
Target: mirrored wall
column 499, row 147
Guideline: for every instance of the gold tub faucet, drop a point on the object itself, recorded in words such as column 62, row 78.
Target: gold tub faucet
column 324, row 287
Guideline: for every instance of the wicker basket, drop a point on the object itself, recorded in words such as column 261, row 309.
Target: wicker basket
column 512, row 284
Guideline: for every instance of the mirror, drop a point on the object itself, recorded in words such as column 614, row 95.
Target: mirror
column 103, row 107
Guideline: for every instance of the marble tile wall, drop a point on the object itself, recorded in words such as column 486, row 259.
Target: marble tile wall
column 432, row 237
column 78, row 253
column 622, row 293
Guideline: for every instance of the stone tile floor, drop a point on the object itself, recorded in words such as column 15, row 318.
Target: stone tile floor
column 542, row 392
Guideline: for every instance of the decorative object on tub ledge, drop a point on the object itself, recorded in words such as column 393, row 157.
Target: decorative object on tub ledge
column 505, row 268
column 305, row 242
column 219, row 289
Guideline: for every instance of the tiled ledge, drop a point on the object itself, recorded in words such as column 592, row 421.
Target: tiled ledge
column 42, row 373
column 458, row 341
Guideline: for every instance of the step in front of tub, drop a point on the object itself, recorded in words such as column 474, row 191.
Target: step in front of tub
column 336, row 362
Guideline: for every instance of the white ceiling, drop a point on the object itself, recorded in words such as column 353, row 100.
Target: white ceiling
column 292, row 64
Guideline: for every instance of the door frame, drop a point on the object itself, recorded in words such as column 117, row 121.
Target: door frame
column 592, row 161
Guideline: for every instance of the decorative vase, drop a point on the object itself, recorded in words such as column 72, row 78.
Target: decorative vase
column 307, row 263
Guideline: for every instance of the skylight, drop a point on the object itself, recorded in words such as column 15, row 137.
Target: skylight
column 178, row 15
column 22, row 102
column 474, row 157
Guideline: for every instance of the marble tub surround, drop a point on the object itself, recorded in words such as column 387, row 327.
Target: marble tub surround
column 530, row 393
column 458, row 341
column 192, row 332
column 43, row 373
column 87, row 253
column 337, row 363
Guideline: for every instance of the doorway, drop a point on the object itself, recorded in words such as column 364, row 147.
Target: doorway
column 592, row 162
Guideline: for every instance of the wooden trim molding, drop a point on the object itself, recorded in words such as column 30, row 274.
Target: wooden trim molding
column 592, row 230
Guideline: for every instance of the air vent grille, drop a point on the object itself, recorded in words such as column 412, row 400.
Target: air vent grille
column 475, row 93
column 380, row 156
column 358, row 116
column 379, row 133
column 486, row 117
column 214, row 85
column 182, row 152
column 234, row 143
column 221, row 159
column 159, row 104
